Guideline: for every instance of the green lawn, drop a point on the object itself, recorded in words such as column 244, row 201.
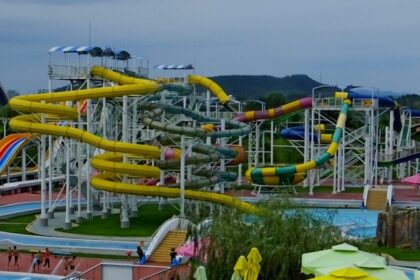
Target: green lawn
column 401, row 254
column 17, row 224
column 149, row 219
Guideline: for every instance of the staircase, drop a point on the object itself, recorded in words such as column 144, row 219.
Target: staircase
column 377, row 199
column 173, row 239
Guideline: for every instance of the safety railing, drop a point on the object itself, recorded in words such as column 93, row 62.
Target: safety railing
column 58, row 71
column 75, row 71
column 108, row 271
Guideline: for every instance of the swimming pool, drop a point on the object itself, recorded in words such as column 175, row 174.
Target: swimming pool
column 26, row 276
column 66, row 243
column 359, row 223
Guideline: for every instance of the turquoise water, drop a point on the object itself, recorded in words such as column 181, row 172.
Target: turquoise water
column 362, row 232
column 410, row 275
column 359, row 223
column 26, row 276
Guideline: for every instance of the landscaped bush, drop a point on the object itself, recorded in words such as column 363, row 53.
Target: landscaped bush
column 280, row 233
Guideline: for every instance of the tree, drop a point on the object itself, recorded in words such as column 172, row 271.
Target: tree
column 274, row 99
column 281, row 234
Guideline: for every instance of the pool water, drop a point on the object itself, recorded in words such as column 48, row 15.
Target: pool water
column 360, row 223
column 362, row 232
column 26, row 276
column 410, row 275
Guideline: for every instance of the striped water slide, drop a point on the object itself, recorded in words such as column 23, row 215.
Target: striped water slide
column 274, row 113
column 298, row 133
column 49, row 103
column 10, row 146
column 293, row 174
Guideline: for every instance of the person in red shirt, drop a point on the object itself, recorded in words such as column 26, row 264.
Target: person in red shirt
column 46, row 258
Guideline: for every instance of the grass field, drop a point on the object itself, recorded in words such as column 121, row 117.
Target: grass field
column 148, row 220
column 17, row 224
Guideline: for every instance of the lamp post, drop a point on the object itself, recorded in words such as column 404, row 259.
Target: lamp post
column 5, row 120
column 262, row 103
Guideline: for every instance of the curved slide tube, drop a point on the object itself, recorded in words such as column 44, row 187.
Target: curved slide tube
column 298, row 133
column 273, row 113
column 10, row 147
column 213, row 87
column 399, row 160
column 41, row 103
column 289, row 174
column 414, row 112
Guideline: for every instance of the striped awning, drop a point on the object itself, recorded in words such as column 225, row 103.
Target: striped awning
column 174, row 67
column 92, row 50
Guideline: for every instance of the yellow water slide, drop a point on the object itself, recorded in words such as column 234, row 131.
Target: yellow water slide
column 48, row 103
column 210, row 85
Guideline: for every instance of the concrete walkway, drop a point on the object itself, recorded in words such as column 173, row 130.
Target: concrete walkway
column 58, row 222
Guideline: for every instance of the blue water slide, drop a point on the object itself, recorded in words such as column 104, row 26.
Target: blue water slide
column 296, row 133
column 383, row 101
column 414, row 113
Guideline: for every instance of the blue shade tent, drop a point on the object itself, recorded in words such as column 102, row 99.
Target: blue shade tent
column 117, row 54
column 174, row 67
column 92, row 50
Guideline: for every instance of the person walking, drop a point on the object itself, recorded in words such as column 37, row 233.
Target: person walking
column 46, row 258
column 140, row 252
column 66, row 264
column 9, row 256
column 16, row 256
column 72, row 263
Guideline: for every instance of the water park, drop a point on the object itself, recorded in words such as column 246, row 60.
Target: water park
column 125, row 156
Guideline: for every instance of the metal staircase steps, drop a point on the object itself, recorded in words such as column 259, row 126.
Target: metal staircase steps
column 377, row 199
column 173, row 239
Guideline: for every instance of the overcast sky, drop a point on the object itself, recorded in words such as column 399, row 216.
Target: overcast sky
column 372, row 43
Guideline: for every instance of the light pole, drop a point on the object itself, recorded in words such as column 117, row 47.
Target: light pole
column 4, row 126
column 262, row 103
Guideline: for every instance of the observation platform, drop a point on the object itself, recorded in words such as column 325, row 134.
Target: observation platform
column 334, row 104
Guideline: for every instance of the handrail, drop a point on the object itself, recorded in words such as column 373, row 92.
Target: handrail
column 79, row 275
column 365, row 195
column 390, row 194
column 157, row 274
column 162, row 231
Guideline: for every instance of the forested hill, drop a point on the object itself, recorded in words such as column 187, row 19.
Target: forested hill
column 254, row 87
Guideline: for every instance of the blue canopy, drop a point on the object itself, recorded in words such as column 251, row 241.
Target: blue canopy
column 117, row 54
column 174, row 67
column 92, row 50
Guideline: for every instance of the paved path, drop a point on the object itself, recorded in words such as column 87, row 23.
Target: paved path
column 56, row 268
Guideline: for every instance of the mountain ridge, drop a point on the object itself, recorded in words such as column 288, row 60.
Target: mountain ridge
column 256, row 86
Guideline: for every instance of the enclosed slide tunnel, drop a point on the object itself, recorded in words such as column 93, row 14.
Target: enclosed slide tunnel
column 47, row 103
